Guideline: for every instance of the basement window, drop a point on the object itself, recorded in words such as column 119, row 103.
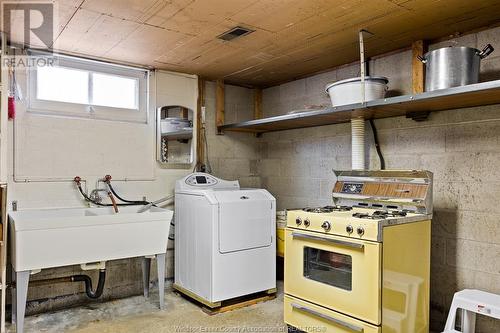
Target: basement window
column 90, row 89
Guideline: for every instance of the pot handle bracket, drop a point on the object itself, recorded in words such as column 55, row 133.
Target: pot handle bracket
column 486, row 51
column 422, row 59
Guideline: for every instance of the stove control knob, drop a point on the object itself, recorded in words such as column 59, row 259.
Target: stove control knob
column 307, row 222
column 298, row 221
column 326, row 225
column 360, row 231
column 349, row 229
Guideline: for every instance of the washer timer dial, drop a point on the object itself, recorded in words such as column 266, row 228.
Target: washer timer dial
column 201, row 180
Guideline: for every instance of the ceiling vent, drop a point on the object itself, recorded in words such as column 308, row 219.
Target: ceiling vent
column 235, row 33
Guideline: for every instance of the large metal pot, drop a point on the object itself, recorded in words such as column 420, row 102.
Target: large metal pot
column 453, row 66
column 350, row 91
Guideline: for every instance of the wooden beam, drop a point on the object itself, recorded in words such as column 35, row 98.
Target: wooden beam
column 185, row 112
column 219, row 105
column 200, row 137
column 257, row 103
column 418, row 68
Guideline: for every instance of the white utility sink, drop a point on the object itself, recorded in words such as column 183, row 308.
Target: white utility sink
column 48, row 238
column 59, row 237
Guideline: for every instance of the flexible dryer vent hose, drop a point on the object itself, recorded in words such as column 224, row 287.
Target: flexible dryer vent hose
column 358, row 144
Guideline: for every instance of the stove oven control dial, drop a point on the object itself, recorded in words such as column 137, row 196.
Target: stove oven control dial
column 326, row 225
column 349, row 229
column 360, row 231
column 307, row 222
column 298, row 221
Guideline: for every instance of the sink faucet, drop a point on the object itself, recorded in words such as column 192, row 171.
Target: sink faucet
column 94, row 195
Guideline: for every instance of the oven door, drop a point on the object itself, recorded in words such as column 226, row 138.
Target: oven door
column 335, row 272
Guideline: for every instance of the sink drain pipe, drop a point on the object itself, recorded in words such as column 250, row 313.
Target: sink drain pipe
column 88, row 284
column 358, row 143
column 93, row 294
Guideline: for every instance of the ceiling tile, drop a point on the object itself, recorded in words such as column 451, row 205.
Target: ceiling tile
column 134, row 10
column 292, row 38
column 102, row 35
column 147, row 42
column 197, row 16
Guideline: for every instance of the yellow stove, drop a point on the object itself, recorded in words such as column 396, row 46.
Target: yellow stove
column 363, row 263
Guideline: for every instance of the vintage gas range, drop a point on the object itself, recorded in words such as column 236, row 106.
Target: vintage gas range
column 362, row 264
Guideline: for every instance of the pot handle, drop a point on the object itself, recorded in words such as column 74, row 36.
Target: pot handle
column 486, row 51
column 422, row 59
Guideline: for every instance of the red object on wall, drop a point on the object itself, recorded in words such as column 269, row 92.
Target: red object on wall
column 11, row 107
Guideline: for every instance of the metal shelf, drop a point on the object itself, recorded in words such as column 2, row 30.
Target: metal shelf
column 181, row 134
column 415, row 106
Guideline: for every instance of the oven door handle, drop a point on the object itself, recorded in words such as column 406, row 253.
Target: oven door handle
column 328, row 240
column 339, row 322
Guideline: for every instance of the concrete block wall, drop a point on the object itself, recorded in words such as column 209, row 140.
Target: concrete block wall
column 461, row 147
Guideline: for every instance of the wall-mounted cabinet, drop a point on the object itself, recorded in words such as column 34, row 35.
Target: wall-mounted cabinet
column 174, row 132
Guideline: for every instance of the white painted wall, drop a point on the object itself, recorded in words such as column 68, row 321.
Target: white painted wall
column 51, row 150
column 61, row 148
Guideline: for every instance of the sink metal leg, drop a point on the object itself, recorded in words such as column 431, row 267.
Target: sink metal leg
column 160, row 262
column 13, row 296
column 22, row 279
column 146, row 268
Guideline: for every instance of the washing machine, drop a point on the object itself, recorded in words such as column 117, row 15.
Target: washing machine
column 225, row 239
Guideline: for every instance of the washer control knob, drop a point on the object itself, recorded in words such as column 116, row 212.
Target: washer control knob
column 326, row 225
column 298, row 221
column 349, row 229
column 360, row 231
column 307, row 222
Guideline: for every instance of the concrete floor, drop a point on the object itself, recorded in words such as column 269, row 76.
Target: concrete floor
column 136, row 314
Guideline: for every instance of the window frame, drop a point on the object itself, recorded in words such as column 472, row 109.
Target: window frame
column 67, row 109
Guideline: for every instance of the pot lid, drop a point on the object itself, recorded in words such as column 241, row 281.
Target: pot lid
column 381, row 79
column 473, row 49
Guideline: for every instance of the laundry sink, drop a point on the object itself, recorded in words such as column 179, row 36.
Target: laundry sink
column 59, row 237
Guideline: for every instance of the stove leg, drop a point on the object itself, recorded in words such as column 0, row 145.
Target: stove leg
column 22, row 279
column 146, row 267
column 160, row 262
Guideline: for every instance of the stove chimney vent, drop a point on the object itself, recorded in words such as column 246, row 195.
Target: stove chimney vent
column 358, row 144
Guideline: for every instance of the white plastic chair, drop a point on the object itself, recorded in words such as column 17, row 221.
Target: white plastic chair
column 471, row 302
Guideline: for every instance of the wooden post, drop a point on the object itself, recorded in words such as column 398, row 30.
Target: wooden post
column 418, row 68
column 200, row 137
column 257, row 103
column 185, row 112
column 219, row 105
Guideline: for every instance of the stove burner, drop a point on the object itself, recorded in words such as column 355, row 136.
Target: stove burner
column 380, row 214
column 327, row 209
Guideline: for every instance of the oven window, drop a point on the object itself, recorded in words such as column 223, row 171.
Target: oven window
column 327, row 267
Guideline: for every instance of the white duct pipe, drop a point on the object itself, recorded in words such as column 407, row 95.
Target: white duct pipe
column 358, row 143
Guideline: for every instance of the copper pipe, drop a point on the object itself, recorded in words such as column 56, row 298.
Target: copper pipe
column 113, row 201
column 107, row 181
